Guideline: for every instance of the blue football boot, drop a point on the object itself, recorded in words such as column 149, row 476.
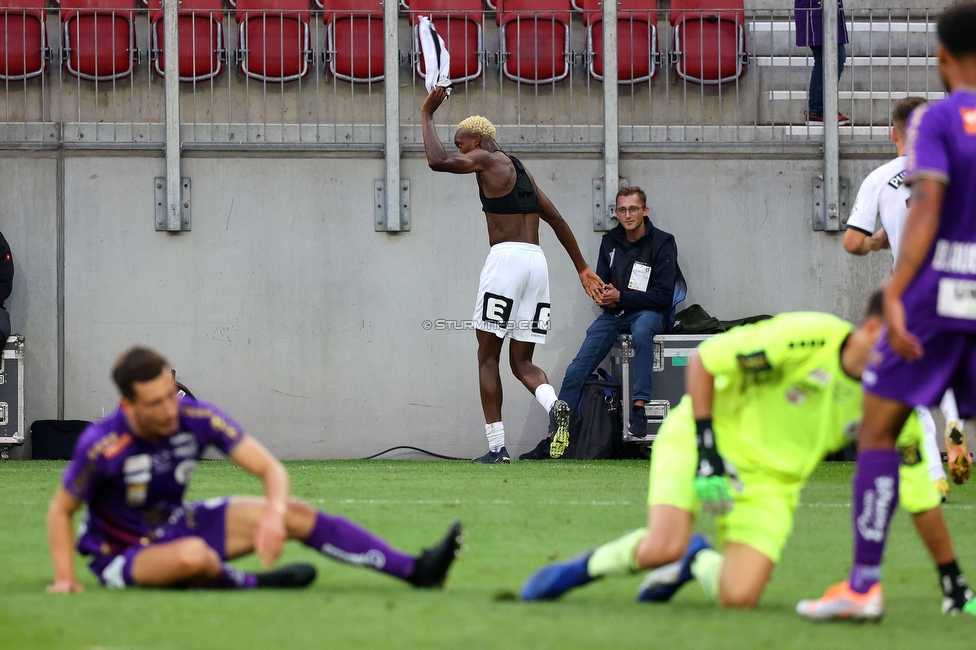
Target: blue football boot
column 663, row 583
column 551, row 582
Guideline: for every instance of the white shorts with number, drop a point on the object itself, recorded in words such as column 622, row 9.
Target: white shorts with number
column 513, row 293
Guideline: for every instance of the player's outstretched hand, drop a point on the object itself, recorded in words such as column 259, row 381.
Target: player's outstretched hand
column 434, row 100
column 269, row 538
column 64, row 587
column 904, row 343
column 591, row 282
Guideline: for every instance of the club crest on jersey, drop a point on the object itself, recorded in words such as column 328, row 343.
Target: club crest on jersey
column 755, row 362
column 184, row 471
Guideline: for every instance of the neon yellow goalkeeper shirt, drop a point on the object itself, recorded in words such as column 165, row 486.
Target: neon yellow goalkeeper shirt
column 782, row 400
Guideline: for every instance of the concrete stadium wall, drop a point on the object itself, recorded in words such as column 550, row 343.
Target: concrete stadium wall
column 283, row 306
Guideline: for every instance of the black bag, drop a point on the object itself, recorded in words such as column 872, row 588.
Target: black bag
column 595, row 425
column 695, row 320
column 55, row 439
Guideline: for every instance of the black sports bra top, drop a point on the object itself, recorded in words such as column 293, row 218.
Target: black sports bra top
column 521, row 200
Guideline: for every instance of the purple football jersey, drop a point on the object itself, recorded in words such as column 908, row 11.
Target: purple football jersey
column 941, row 144
column 131, row 485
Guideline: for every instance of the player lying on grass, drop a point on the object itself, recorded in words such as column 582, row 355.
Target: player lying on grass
column 765, row 404
column 131, row 470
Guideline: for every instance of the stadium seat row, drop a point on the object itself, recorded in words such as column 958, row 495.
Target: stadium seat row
column 708, row 43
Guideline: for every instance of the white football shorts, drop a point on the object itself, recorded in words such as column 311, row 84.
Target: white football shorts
column 513, row 293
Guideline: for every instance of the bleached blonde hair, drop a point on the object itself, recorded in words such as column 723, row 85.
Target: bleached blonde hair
column 478, row 125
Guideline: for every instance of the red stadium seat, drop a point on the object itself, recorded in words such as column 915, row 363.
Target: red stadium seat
column 23, row 39
column 534, row 40
column 274, row 39
column 709, row 44
column 99, row 39
column 201, row 33
column 637, row 44
column 354, row 40
column 461, row 24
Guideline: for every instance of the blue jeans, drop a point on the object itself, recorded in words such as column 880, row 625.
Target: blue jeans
column 815, row 100
column 600, row 337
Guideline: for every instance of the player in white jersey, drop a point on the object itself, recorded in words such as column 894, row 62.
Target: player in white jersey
column 884, row 195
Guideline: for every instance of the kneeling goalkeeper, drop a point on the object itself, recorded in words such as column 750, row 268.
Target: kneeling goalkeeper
column 765, row 403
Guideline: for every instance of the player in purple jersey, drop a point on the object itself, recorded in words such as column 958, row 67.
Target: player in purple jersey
column 132, row 468
column 930, row 314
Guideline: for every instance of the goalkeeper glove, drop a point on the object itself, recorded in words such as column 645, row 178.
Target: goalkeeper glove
column 710, row 483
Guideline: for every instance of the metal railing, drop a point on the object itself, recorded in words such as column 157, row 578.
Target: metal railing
column 537, row 76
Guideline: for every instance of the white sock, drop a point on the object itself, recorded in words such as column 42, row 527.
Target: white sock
column 949, row 407
column 546, row 395
column 496, row 435
column 931, row 447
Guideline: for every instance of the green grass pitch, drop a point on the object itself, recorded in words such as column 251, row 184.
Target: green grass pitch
column 516, row 518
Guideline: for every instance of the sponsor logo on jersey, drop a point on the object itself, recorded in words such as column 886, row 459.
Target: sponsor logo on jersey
column 110, row 446
column 220, row 424
column 137, row 472
column 820, row 377
column 796, row 395
column 955, row 257
column 184, row 445
column 755, row 362
column 897, row 180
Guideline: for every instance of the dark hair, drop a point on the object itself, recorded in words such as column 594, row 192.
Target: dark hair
column 632, row 191
column 875, row 306
column 136, row 365
column 957, row 30
column 903, row 108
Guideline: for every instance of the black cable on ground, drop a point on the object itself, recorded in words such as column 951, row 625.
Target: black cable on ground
column 423, row 451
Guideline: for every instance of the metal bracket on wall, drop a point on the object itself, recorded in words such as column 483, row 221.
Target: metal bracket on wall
column 831, row 218
column 380, row 220
column 161, row 211
column 603, row 218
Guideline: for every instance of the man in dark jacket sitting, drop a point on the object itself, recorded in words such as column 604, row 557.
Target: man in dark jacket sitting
column 639, row 265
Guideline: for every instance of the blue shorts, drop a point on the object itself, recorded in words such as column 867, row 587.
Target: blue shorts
column 204, row 519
